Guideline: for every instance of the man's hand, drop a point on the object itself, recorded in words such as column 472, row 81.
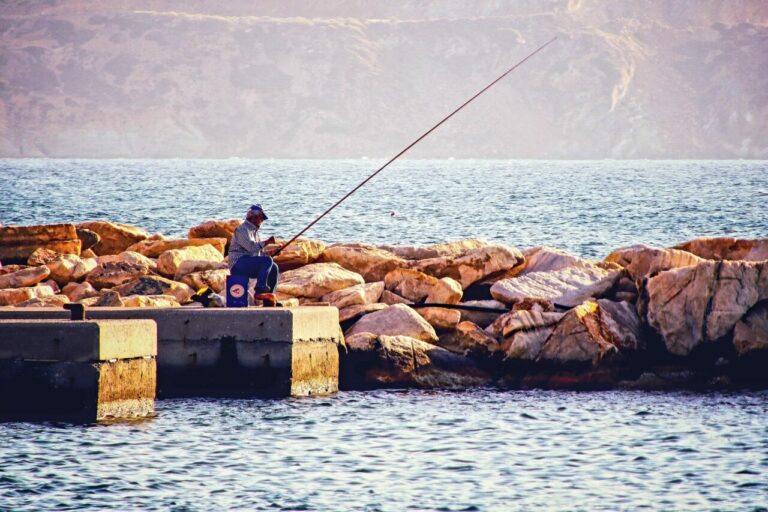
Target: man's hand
column 270, row 241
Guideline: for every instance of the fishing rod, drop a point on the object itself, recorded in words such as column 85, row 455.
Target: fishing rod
column 409, row 146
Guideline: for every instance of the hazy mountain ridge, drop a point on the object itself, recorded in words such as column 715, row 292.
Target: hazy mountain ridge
column 155, row 79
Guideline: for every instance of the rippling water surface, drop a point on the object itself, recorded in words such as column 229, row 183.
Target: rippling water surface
column 476, row 450
column 588, row 208
column 390, row 450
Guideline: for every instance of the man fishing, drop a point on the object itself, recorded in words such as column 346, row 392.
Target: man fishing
column 247, row 257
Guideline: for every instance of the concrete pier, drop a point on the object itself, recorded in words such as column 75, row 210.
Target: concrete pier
column 87, row 371
column 233, row 351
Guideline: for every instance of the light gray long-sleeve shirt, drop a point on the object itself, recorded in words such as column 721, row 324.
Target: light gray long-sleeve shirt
column 245, row 242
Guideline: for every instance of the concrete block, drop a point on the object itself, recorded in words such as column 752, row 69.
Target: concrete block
column 235, row 351
column 87, row 371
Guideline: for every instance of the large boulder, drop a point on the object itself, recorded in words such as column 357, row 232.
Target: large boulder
column 473, row 265
column 689, row 306
column 128, row 257
column 442, row 319
column 150, row 301
column 591, row 331
column 13, row 296
column 25, row 277
column 52, row 301
column 109, row 275
column 355, row 311
column 155, row 285
column 192, row 266
column 567, row 287
column 67, row 268
column 154, row 248
column 113, row 238
column 523, row 333
column 470, row 339
column 388, row 297
column 17, row 243
column 107, row 299
column 447, row 249
column 317, row 279
column 419, row 287
column 548, row 259
column 642, row 261
column 298, row 253
column 401, row 361
column 79, row 291
column 215, row 229
column 366, row 293
column 367, row 260
column 727, row 248
column 169, row 262
column 216, row 280
column 394, row 321
column 751, row 332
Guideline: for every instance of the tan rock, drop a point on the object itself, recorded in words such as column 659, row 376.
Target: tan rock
column 367, row 260
column 109, row 275
column 23, row 278
column 299, row 253
column 395, row 320
column 9, row 269
column 388, row 297
column 216, row 280
column 149, row 301
column 114, row 238
column 189, row 267
column 727, row 248
column 533, row 304
column 569, row 286
column 700, row 304
column 447, row 249
column 88, row 239
column 13, row 296
column 410, row 284
column 68, row 267
column 591, row 331
column 317, row 279
column 470, row 339
column 41, row 256
column 442, row 319
column 128, row 257
column 88, row 253
column 54, row 301
column 169, row 262
column 642, row 261
column 445, row 291
column 53, row 285
column 751, row 332
column 367, row 293
column 472, row 266
column 215, row 229
column 107, row 299
column 401, row 361
column 509, row 324
column 358, row 310
column 154, row 248
column 483, row 318
column 17, row 243
column 156, row 285
column 548, row 259
column 289, row 303
column 79, row 291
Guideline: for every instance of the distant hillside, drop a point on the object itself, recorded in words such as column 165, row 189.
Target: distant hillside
column 343, row 78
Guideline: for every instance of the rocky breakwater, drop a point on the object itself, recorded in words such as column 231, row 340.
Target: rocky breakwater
column 456, row 314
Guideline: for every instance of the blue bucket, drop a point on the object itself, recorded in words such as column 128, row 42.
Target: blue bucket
column 237, row 292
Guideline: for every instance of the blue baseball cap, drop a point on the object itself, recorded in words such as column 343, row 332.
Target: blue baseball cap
column 256, row 208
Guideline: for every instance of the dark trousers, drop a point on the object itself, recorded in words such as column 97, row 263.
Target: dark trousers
column 261, row 268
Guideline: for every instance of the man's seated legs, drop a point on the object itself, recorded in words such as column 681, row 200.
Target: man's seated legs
column 259, row 268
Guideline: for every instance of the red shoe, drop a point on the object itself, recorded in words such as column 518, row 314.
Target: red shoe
column 267, row 298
